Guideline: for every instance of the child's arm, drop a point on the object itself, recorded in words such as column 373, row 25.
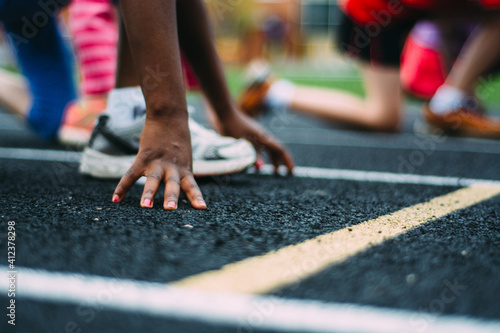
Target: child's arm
column 165, row 147
column 196, row 42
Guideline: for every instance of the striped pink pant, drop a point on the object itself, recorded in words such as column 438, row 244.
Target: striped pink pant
column 95, row 33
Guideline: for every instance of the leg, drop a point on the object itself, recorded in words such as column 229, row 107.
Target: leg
column 15, row 93
column 380, row 110
column 454, row 107
column 95, row 34
column 477, row 57
column 94, row 29
column 47, row 65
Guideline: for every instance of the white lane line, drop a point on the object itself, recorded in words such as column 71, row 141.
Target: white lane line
column 302, row 172
column 334, row 142
column 383, row 177
column 400, row 141
column 40, row 155
column 243, row 311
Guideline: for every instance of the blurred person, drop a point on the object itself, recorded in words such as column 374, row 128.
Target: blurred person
column 455, row 107
column 430, row 51
column 45, row 62
column 381, row 109
column 94, row 30
column 14, row 92
column 149, row 54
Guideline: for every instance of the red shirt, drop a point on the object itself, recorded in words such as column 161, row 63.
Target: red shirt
column 386, row 12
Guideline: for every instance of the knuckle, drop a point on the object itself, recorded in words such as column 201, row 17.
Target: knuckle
column 147, row 156
column 174, row 179
column 119, row 189
column 155, row 175
column 131, row 172
column 148, row 192
column 172, row 197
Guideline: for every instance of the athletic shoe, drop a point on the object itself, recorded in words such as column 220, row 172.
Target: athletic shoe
column 252, row 100
column 79, row 120
column 463, row 121
column 112, row 150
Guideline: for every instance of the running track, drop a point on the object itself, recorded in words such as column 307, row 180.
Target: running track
column 375, row 233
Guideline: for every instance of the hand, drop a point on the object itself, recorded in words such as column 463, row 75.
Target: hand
column 238, row 125
column 164, row 155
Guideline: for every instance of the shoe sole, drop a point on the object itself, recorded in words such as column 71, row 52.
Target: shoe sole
column 74, row 137
column 457, row 126
column 99, row 165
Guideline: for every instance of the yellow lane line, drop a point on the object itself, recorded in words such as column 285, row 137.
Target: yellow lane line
column 276, row 269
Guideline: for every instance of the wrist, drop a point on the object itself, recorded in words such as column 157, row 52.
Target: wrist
column 226, row 113
column 162, row 112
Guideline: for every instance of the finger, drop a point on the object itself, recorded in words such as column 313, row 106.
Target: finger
column 288, row 161
column 126, row 183
column 172, row 190
column 193, row 193
column 279, row 155
column 276, row 166
column 151, row 187
column 259, row 162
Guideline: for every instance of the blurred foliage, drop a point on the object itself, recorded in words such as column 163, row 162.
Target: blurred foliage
column 233, row 18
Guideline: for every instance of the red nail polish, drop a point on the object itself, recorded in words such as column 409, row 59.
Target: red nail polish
column 147, row 202
column 259, row 163
column 115, row 198
column 171, row 204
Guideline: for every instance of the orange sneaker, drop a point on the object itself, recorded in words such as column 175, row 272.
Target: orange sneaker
column 464, row 122
column 79, row 120
column 251, row 100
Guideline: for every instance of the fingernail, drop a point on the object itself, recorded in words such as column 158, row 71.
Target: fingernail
column 171, row 204
column 202, row 203
column 116, row 198
column 259, row 163
column 147, row 202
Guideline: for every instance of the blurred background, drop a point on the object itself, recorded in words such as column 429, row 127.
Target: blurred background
column 296, row 38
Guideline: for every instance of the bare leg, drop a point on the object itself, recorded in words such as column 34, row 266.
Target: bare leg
column 478, row 55
column 14, row 93
column 380, row 110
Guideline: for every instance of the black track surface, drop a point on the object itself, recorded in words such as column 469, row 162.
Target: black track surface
column 67, row 223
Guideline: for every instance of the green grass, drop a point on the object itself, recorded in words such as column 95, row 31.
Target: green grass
column 488, row 88
column 235, row 79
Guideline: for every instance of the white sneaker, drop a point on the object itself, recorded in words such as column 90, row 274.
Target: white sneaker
column 114, row 145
